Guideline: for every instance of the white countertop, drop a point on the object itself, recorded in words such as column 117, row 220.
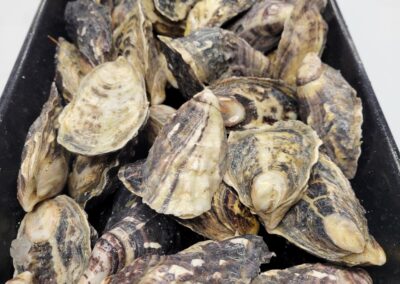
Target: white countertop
column 374, row 26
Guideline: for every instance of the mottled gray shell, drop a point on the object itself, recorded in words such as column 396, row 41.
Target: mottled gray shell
column 174, row 10
column 263, row 24
column 44, row 166
column 110, row 108
column 134, row 230
column 314, row 274
column 214, row 13
column 53, row 242
column 89, row 24
column 329, row 220
column 159, row 116
column 305, row 31
column 247, row 102
column 210, row 54
column 22, row 278
column 235, row 260
column 269, row 167
column 331, row 106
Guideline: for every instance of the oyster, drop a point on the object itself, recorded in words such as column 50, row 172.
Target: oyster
column 110, row 108
column 121, row 11
column 305, row 31
column 331, row 106
column 329, row 221
column 262, row 25
column 134, row 231
column 235, row 260
column 174, row 10
column 89, row 24
column 71, row 67
column 315, row 274
column 252, row 102
column 269, row 167
column 186, row 162
column 44, row 167
column 53, row 242
column 22, row 278
column 159, row 116
column 210, row 54
column 214, row 13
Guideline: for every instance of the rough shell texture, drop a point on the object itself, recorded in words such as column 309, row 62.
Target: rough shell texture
column 263, row 24
column 269, row 167
column 331, row 106
column 121, row 11
column 314, row 274
column 214, row 13
column 159, row 116
column 210, row 54
column 329, row 220
column 22, row 278
column 252, row 102
column 110, row 108
column 235, row 260
column 53, row 242
column 89, row 24
column 186, row 162
column 174, row 10
column 134, row 230
column 304, row 32
column 44, row 168
column 71, row 67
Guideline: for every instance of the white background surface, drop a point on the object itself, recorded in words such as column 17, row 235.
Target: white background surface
column 374, row 25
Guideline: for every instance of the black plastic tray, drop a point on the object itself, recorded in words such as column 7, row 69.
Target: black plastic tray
column 377, row 183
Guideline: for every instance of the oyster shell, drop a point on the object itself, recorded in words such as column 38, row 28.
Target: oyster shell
column 44, row 167
column 214, row 13
column 121, row 11
column 71, row 67
column 174, row 10
column 235, row 260
column 22, row 278
column 269, row 167
column 314, row 274
column 252, row 102
column 159, row 116
column 110, row 108
column 263, row 24
column 210, row 54
column 331, row 106
column 186, row 162
column 53, row 242
column 89, row 24
column 329, row 220
column 134, row 231
column 305, row 31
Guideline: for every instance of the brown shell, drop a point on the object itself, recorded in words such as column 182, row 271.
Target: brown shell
column 22, row 278
column 269, row 167
column 174, row 10
column 44, row 167
column 263, row 24
column 210, row 54
column 134, row 230
column 235, row 260
column 305, row 31
column 252, row 102
column 89, row 24
column 53, row 242
column 331, row 106
column 314, row 274
column 159, row 116
column 329, row 220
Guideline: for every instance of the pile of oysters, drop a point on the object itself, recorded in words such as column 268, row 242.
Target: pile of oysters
column 182, row 128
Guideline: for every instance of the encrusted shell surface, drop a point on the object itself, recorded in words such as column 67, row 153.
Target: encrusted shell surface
column 305, row 31
column 44, row 167
column 263, row 24
column 210, row 54
column 110, row 108
column 89, row 24
column 214, row 13
column 331, row 106
column 329, row 220
column 134, row 230
column 53, row 242
column 22, row 278
column 174, row 10
column 269, row 167
column 247, row 102
column 314, row 274
column 71, row 67
column 159, row 116
column 235, row 260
